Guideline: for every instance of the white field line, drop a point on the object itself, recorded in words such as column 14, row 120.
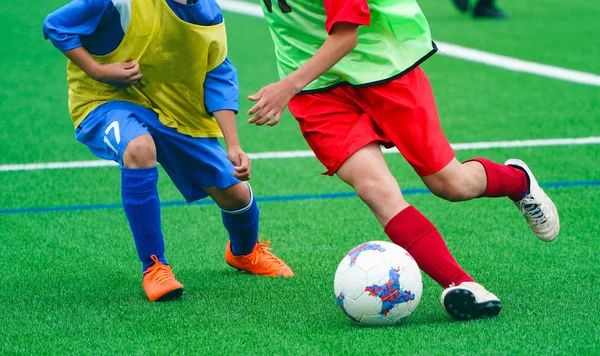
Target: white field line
column 473, row 55
column 299, row 154
column 518, row 65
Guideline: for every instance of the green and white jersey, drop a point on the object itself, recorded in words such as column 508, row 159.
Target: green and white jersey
column 397, row 40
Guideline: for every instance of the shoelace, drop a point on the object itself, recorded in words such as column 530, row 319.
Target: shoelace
column 262, row 249
column 159, row 272
column 532, row 210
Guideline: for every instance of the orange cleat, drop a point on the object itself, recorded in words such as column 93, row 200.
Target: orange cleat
column 261, row 261
column 160, row 283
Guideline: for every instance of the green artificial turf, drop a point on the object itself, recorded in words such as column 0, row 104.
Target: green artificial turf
column 72, row 281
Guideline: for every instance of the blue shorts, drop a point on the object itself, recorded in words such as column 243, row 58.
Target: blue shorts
column 191, row 162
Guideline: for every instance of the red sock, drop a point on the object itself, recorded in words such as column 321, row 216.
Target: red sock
column 412, row 231
column 503, row 181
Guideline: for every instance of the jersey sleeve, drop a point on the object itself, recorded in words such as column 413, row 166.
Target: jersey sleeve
column 203, row 13
column 78, row 18
column 352, row 11
column 221, row 91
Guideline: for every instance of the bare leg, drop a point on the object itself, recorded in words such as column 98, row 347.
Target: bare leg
column 458, row 181
column 231, row 198
column 367, row 172
column 140, row 153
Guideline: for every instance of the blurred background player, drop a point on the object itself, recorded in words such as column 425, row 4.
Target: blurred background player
column 352, row 90
column 483, row 9
column 143, row 88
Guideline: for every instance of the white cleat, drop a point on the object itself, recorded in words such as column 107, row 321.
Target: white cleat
column 536, row 206
column 469, row 300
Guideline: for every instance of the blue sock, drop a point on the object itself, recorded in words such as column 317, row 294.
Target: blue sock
column 142, row 208
column 242, row 226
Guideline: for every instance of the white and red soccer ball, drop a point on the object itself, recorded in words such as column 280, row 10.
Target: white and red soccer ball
column 378, row 283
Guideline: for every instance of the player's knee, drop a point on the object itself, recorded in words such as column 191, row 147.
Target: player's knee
column 140, row 153
column 371, row 190
column 239, row 196
column 233, row 198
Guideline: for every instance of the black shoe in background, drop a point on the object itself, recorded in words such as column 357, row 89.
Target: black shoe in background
column 486, row 9
column 462, row 5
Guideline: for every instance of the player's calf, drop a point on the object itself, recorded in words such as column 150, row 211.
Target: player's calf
column 457, row 181
column 453, row 191
column 240, row 215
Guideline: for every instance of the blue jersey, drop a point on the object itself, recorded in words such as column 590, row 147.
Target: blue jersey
column 99, row 26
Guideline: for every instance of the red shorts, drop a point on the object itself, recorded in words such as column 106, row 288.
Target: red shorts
column 402, row 113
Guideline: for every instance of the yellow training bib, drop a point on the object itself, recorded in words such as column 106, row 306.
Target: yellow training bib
column 174, row 57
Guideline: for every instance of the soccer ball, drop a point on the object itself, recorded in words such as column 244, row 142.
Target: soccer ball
column 378, row 283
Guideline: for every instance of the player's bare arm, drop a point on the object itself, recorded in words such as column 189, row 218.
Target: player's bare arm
column 273, row 98
column 226, row 120
column 120, row 74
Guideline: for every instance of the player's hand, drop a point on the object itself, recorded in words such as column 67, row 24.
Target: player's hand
column 120, row 74
column 241, row 161
column 271, row 101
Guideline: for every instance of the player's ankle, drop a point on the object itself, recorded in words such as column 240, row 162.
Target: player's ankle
column 149, row 262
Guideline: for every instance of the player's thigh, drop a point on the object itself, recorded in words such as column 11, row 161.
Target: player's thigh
column 108, row 130
column 333, row 126
column 405, row 111
column 192, row 163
